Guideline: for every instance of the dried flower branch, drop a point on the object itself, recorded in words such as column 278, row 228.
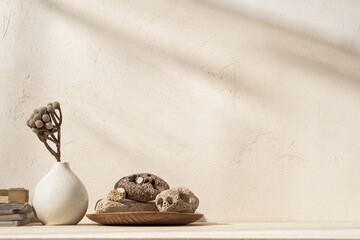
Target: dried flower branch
column 46, row 122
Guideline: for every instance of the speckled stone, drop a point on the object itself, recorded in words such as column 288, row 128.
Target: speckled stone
column 104, row 206
column 116, row 195
column 142, row 186
column 177, row 200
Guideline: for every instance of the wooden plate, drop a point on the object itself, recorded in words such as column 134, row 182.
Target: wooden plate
column 144, row 218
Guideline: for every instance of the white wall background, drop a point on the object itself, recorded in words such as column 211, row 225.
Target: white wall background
column 253, row 105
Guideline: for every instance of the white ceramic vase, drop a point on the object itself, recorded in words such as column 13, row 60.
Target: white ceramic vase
column 60, row 197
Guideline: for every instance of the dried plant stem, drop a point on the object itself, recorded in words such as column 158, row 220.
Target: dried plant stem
column 57, row 117
column 59, row 134
column 43, row 139
column 50, row 139
column 58, row 146
column 52, row 151
column 53, row 137
column 54, row 119
column 50, row 136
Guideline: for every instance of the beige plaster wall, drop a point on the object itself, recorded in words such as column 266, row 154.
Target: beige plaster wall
column 259, row 119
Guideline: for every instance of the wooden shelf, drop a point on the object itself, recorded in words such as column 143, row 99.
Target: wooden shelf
column 199, row 230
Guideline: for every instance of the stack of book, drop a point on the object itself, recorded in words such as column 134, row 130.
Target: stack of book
column 14, row 207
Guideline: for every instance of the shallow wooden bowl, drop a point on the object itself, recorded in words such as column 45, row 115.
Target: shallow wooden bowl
column 144, row 218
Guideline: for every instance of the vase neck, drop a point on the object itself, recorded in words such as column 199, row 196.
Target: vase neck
column 61, row 165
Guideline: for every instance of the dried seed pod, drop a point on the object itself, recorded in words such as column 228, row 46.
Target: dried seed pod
column 32, row 123
column 42, row 110
column 50, row 108
column 48, row 125
column 45, row 117
column 37, row 116
column 39, row 123
column 56, row 105
column 42, row 123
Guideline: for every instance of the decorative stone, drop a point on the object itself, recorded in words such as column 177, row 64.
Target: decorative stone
column 177, row 200
column 104, row 206
column 117, row 195
column 139, row 180
column 142, row 186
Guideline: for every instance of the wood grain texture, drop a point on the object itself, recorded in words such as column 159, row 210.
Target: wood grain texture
column 144, row 218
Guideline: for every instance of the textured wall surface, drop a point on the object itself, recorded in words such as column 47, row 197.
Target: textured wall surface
column 259, row 119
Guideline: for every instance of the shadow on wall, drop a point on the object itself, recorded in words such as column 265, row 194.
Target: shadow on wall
column 209, row 47
column 233, row 54
column 191, row 83
column 21, row 86
column 215, row 32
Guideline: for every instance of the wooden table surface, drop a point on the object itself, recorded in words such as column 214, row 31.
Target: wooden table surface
column 199, row 230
